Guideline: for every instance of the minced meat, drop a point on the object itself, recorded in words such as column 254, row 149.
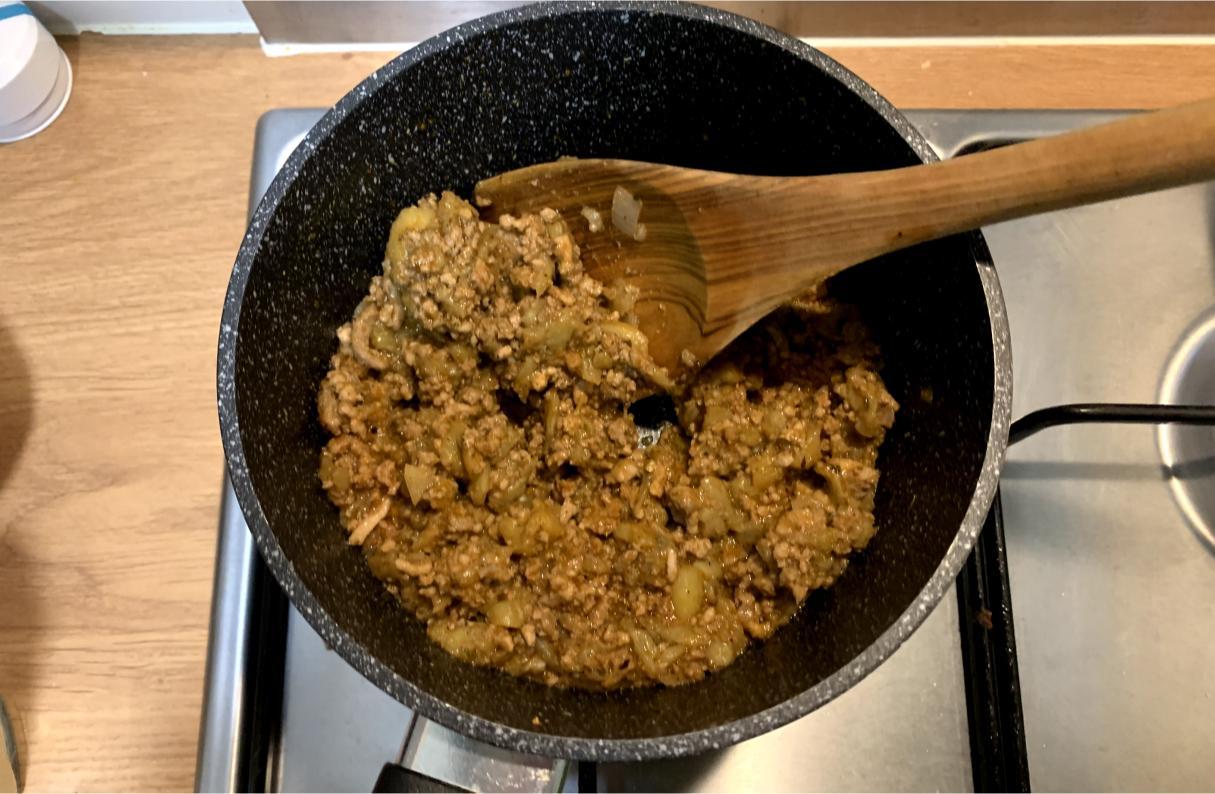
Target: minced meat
column 484, row 458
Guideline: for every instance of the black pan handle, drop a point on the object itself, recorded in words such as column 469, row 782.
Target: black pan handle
column 396, row 778
column 1117, row 413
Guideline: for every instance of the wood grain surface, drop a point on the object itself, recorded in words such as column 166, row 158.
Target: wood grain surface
column 118, row 226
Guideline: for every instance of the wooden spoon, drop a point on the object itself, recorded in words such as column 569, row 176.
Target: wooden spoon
column 720, row 251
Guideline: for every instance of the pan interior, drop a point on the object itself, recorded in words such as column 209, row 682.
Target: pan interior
column 601, row 83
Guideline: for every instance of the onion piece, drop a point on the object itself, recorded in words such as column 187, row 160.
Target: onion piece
column 360, row 531
column 626, row 212
column 417, row 480
column 594, row 220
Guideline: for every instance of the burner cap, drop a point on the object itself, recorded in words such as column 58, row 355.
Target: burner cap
column 1188, row 451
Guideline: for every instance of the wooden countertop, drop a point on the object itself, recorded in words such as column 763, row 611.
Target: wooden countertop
column 118, row 227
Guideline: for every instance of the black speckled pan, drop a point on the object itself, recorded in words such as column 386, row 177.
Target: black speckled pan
column 667, row 83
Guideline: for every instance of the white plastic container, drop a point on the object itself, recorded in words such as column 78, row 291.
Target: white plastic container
column 35, row 76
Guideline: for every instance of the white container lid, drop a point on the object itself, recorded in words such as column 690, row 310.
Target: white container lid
column 35, row 76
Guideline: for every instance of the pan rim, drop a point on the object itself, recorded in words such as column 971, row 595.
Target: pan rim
column 603, row 749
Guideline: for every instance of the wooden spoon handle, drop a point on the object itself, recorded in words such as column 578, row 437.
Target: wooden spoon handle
column 1140, row 154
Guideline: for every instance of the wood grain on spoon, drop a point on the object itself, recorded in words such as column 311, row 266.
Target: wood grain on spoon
column 722, row 250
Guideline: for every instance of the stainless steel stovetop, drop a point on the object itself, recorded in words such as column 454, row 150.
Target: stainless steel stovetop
column 1113, row 582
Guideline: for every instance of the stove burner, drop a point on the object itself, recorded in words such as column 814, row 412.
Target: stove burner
column 1188, row 451
column 285, row 714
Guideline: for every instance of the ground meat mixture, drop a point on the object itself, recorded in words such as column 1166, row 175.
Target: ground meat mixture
column 484, row 458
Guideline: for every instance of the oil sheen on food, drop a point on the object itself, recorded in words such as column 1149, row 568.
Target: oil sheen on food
column 483, row 457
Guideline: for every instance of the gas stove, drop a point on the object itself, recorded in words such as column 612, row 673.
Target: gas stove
column 1075, row 653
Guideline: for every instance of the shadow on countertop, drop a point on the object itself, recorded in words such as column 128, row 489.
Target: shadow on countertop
column 20, row 627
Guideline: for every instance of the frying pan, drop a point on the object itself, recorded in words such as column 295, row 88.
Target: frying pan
column 675, row 84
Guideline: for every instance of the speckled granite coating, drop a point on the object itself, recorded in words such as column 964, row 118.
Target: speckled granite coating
column 668, row 83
